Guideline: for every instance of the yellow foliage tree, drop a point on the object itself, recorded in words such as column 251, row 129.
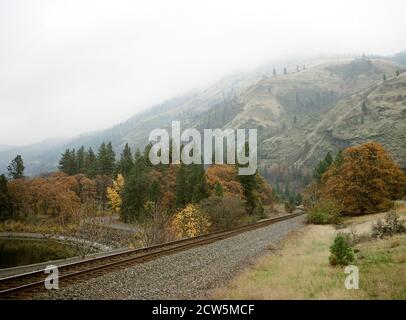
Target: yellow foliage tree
column 190, row 222
column 114, row 193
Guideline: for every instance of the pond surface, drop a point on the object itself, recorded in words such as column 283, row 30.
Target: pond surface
column 18, row 252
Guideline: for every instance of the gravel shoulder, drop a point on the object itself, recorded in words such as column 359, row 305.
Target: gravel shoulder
column 190, row 274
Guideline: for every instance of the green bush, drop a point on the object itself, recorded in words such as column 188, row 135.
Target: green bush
column 289, row 207
column 341, row 253
column 223, row 212
column 325, row 212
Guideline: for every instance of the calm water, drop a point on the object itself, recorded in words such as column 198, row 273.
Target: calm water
column 15, row 252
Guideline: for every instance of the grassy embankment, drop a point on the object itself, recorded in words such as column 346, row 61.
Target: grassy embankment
column 300, row 269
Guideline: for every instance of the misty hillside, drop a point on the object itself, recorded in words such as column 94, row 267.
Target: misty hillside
column 323, row 106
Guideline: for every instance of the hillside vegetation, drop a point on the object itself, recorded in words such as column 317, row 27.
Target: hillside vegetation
column 326, row 105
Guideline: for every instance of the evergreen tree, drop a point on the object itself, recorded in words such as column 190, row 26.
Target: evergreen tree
column 323, row 166
column 154, row 191
column 285, row 71
column 80, row 160
column 106, row 160
column 274, row 72
column 16, row 168
column 249, row 184
column 137, row 189
column 181, row 186
column 126, row 161
column 68, row 162
column 197, row 183
column 384, row 77
column 338, row 160
column 140, row 163
column 90, row 163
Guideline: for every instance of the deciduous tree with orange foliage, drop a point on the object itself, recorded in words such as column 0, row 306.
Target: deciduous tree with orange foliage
column 226, row 176
column 365, row 181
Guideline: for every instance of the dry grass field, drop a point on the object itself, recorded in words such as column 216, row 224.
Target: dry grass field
column 301, row 270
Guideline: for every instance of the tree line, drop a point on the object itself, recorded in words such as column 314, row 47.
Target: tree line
column 135, row 189
column 91, row 164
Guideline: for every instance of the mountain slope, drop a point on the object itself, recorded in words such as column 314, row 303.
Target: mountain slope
column 300, row 116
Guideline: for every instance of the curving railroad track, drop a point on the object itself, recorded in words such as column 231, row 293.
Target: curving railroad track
column 26, row 284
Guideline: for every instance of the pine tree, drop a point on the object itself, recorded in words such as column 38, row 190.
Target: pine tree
column 274, row 72
column 126, row 161
column 140, row 163
column 80, row 160
column 90, row 163
column 106, row 160
column 249, row 184
column 137, row 189
column 338, row 160
column 323, row 166
column 197, row 183
column 68, row 162
column 285, row 71
column 154, row 191
column 16, row 168
column 181, row 186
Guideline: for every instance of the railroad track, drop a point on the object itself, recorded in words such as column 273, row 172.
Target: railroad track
column 25, row 285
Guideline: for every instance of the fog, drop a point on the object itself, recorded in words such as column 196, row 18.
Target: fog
column 69, row 67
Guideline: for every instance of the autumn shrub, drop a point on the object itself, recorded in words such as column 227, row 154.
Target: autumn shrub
column 190, row 222
column 341, row 252
column 154, row 227
column 312, row 194
column 366, row 180
column 114, row 194
column 223, row 212
column 325, row 212
column 390, row 226
column 289, row 207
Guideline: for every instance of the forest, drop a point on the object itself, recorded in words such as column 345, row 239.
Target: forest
column 173, row 201
column 165, row 202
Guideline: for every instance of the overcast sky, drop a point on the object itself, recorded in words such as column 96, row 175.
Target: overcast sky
column 69, row 67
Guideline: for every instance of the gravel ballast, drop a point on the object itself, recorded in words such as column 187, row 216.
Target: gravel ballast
column 188, row 274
